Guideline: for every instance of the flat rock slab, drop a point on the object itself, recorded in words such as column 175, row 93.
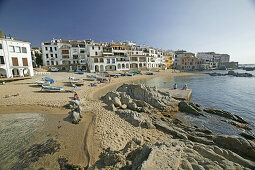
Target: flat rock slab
column 178, row 94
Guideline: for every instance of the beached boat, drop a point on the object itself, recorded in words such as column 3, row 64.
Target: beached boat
column 149, row 73
column 80, row 72
column 91, row 77
column 48, row 79
column 42, row 82
column 52, row 88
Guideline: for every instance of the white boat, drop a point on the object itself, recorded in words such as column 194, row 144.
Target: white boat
column 42, row 82
column 52, row 88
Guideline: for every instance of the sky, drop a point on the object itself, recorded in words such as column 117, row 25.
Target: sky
column 222, row 26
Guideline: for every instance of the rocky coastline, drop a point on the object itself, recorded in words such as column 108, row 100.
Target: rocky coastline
column 183, row 147
column 231, row 73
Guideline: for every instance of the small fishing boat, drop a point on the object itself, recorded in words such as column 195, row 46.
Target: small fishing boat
column 80, row 72
column 42, row 82
column 52, row 88
column 149, row 73
column 91, row 77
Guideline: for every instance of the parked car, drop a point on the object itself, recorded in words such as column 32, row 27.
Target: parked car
column 54, row 69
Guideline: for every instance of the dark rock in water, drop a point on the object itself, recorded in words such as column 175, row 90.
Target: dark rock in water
column 216, row 74
column 164, row 127
column 64, row 165
column 225, row 114
column 239, row 125
column 247, row 136
column 35, row 152
column 188, row 108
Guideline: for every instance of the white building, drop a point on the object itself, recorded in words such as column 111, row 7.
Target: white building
column 213, row 59
column 15, row 58
column 100, row 56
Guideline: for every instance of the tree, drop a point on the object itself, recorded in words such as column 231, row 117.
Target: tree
column 1, row 34
column 38, row 59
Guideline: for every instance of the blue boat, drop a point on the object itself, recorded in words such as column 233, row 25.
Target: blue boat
column 149, row 73
column 48, row 79
column 80, row 72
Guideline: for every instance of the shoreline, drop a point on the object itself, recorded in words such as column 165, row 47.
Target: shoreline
column 99, row 131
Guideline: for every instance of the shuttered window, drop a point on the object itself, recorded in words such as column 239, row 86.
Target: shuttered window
column 24, row 60
column 15, row 61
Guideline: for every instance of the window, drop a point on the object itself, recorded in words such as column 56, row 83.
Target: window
column 1, row 59
column 15, row 61
column 113, row 60
column 108, row 60
column 24, row 50
column 47, row 55
column 75, row 56
column 98, row 48
column 65, row 51
column 96, row 53
column 55, row 48
column 82, row 51
column 48, row 62
column 52, row 62
column 12, row 48
column 56, row 56
column 24, row 61
column 46, row 48
column 51, row 55
column 51, row 49
column 92, row 47
column 1, row 46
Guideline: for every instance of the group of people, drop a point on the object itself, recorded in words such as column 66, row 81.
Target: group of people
column 185, row 87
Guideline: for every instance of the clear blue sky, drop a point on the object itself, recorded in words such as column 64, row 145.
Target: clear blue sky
column 223, row 26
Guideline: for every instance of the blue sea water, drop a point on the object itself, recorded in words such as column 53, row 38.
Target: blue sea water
column 233, row 94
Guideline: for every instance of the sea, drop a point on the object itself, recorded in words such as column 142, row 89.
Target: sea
column 229, row 93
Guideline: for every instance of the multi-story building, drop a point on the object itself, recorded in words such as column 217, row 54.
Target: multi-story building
column 99, row 57
column 190, row 62
column 214, row 60
column 68, row 55
column 169, row 58
column 15, row 58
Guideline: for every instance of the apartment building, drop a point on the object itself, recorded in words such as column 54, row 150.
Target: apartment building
column 213, row 59
column 169, row 58
column 15, row 58
column 100, row 56
column 190, row 62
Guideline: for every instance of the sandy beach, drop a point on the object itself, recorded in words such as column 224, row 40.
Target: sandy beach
column 99, row 129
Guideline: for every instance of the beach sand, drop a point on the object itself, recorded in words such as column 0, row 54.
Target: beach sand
column 99, row 129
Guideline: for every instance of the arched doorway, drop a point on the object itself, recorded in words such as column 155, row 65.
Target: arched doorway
column 26, row 72
column 3, row 73
column 101, row 68
column 96, row 68
column 15, row 72
column 123, row 66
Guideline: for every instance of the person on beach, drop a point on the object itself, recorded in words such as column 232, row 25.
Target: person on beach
column 175, row 86
column 76, row 97
column 185, row 87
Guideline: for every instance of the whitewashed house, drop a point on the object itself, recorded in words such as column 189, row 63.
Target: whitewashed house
column 15, row 58
column 100, row 56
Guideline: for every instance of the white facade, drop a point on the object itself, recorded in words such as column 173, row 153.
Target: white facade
column 100, row 57
column 15, row 58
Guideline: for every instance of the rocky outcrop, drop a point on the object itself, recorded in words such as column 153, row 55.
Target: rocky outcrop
column 135, row 103
column 150, row 95
column 169, row 153
column 76, row 110
column 225, row 114
column 190, row 108
column 136, row 118
column 232, row 73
